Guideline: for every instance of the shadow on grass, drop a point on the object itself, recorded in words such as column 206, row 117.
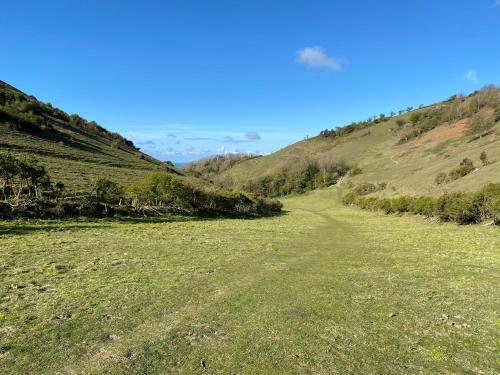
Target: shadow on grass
column 27, row 228
column 184, row 218
column 72, row 224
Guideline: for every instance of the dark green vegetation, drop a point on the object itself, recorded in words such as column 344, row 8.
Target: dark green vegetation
column 161, row 190
column 325, row 289
column 462, row 208
column 407, row 152
column 27, row 191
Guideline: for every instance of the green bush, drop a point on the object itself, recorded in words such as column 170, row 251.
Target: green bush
column 462, row 208
column 355, row 171
column 441, row 178
column 298, row 176
column 166, row 191
column 466, row 166
column 366, row 188
column 107, row 191
column 484, row 158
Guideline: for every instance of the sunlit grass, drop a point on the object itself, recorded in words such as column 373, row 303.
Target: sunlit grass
column 322, row 289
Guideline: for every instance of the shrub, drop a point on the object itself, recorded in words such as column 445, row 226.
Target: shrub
column 400, row 122
column 367, row 188
column 484, row 158
column 441, row 178
column 107, row 191
column 462, row 208
column 355, row 171
column 466, row 166
column 166, row 191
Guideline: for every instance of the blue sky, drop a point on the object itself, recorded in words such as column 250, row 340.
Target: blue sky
column 186, row 79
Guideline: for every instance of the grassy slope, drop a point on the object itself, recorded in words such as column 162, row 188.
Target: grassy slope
column 324, row 289
column 74, row 155
column 77, row 157
column 409, row 168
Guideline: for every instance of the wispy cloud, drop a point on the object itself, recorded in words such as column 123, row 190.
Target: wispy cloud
column 200, row 139
column 471, row 75
column 497, row 3
column 187, row 142
column 252, row 136
column 249, row 137
column 317, row 57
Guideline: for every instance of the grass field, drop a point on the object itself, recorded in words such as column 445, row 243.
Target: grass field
column 322, row 289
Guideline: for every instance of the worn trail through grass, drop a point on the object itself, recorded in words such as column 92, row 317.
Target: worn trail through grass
column 324, row 289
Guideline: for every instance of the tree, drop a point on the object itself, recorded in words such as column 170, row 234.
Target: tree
column 9, row 168
column 32, row 175
column 484, row 158
column 107, row 191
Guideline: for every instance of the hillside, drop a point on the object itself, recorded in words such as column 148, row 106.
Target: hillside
column 407, row 152
column 74, row 151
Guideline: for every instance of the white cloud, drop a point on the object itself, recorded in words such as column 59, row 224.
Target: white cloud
column 316, row 57
column 471, row 75
column 497, row 3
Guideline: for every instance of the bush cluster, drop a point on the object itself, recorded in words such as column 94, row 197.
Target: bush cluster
column 298, row 176
column 163, row 190
column 465, row 167
column 26, row 191
column 462, row 208
column 366, row 188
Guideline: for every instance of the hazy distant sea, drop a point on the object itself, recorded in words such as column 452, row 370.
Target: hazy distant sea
column 180, row 164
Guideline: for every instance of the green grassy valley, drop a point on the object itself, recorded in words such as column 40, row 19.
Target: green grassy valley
column 159, row 271
column 323, row 289
column 250, row 188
